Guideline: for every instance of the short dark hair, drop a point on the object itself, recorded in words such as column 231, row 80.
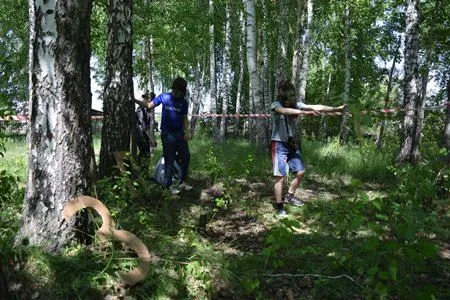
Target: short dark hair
column 284, row 87
column 179, row 84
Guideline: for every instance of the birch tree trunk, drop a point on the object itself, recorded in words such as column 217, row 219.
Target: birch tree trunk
column 151, row 86
column 60, row 135
column 151, row 83
column 446, row 135
column 297, row 57
column 226, row 72
column 306, row 48
column 255, row 85
column 282, row 41
column 386, row 104
column 240, row 69
column 343, row 131
column 118, row 109
column 410, row 87
column 265, row 76
column 212, row 71
column 420, row 114
column 195, row 99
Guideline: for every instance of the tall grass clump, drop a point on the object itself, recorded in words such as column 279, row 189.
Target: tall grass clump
column 15, row 156
column 235, row 158
column 362, row 161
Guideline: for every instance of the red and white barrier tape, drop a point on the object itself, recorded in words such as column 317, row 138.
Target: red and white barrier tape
column 24, row 119
column 315, row 113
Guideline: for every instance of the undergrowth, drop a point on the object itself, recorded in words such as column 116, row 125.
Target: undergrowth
column 381, row 234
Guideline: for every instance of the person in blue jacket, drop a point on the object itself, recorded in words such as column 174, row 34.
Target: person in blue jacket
column 175, row 132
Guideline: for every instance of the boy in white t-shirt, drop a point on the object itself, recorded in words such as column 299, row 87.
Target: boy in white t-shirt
column 285, row 153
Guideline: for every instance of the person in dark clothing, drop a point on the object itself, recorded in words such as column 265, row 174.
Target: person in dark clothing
column 174, row 132
column 144, row 132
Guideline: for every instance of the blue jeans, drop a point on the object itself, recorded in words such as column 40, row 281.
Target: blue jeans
column 175, row 148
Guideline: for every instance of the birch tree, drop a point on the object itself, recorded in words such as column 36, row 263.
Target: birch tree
column 298, row 46
column 303, row 77
column 195, row 98
column 60, row 142
column 343, row 131
column 118, row 110
column 255, row 85
column 282, row 41
column 212, row 66
column 240, row 68
column 226, row 82
column 446, row 135
column 409, row 142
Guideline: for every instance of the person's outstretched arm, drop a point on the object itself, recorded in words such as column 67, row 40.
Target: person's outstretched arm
column 323, row 108
column 288, row 111
column 143, row 103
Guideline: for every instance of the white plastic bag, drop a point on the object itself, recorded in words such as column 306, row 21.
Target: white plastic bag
column 158, row 174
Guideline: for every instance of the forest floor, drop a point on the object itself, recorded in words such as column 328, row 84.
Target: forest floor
column 356, row 237
column 236, row 218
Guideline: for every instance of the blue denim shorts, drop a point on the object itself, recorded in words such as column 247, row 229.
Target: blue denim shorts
column 285, row 160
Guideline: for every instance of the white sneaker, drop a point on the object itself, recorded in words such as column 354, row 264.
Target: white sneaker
column 173, row 190
column 185, row 186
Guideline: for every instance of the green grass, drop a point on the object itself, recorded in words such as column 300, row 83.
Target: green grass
column 15, row 158
column 366, row 219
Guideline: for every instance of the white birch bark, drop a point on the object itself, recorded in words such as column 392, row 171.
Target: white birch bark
column 212, row 71
column 344, row 129
column 296, row 58
column 282, row 41
column 60, row 135
column 410, row 82
column 195, row 98
column 240, row 69
column 379, row 142
column 255, row 84
column 446, row 134
column 303, row 77
column 118, row 109
column 226, row 72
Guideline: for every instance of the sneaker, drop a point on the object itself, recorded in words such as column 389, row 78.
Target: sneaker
column 291, row 199
column 174, row 190
column 281, row 213
column 185, row 186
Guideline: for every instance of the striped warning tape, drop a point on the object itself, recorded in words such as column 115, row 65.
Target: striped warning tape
column 24, row 119
column 316, row 113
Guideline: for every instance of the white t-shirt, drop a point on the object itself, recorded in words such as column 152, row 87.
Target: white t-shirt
column 279, row 131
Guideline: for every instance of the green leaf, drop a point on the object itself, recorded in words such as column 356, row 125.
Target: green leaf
column 393, row 269
column 382, row 289
column 356, row 222
column 366, row 120
column 377, row 203
column 356, row 183
column 364, row 197
column 383, row 275
column 373, row 270
column 392, row 246
column 250, row 284
column 382, row 217
column 427, row 248
column 371, row 244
